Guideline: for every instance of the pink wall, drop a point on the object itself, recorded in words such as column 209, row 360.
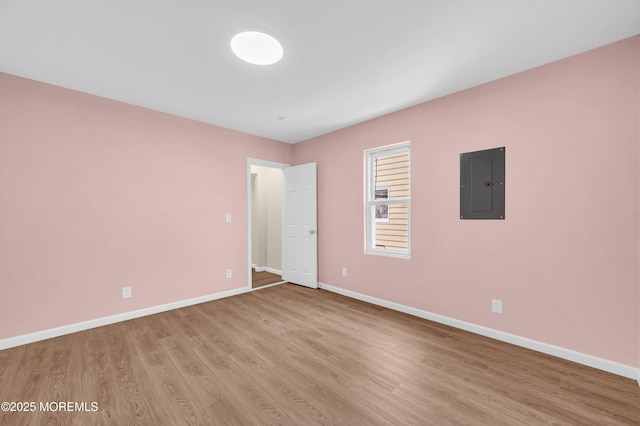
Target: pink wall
column 638, row 209
column 96, row 195
column 564, row 260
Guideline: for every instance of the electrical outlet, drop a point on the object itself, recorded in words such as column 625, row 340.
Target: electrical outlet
column 344, row 271
column 496, row 306
column 126, row 292
column 229, row 273
column 228, row 217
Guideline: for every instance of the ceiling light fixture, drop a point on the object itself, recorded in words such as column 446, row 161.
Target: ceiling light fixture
column 256, row 48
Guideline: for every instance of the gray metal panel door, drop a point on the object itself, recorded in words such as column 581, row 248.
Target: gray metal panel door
column 482, row 184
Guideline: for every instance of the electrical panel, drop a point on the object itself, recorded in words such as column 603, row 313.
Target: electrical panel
column 482, row 184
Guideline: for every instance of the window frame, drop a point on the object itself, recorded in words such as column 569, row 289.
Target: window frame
column 370, row 201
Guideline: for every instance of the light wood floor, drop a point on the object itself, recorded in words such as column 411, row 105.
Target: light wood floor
column 295, row 356
column 260, row 279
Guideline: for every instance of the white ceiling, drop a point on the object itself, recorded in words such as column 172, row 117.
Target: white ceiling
column 345, row 61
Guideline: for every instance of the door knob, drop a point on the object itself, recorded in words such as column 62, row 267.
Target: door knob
column 312, row 231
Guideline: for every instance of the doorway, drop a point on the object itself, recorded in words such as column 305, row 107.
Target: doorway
column 265, row 188
column 291, row 249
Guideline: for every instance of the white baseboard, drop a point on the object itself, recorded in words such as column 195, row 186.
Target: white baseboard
column 72, row 328
column 568, row 354
column 267, row 286
column 266, row 268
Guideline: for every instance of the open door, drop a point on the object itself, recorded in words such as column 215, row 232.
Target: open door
column 299, row 230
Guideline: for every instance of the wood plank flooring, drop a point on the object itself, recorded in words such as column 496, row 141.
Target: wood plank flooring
column 260, row 279
column 295, row 356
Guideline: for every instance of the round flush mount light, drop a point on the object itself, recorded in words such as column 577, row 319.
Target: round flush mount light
column 256, row 48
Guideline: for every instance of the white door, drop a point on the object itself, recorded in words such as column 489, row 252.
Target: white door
column 299, row 230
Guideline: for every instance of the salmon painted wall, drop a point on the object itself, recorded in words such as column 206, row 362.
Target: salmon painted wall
column 564, row 261
column 638, row 253
column 96, row 195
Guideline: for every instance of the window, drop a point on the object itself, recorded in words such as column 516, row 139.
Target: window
column 388, row 201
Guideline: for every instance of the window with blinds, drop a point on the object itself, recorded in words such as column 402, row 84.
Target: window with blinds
column 388, row 201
